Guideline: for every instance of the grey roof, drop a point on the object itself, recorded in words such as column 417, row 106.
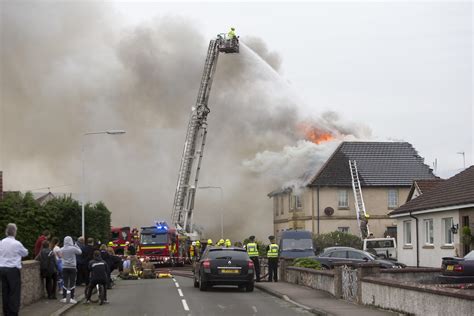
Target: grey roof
column 378, row 164
column 457, row 190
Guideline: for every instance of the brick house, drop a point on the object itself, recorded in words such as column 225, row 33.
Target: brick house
column 386, row 171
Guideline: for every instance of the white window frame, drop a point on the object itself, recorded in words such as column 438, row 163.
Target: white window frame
column 428, row 231
column 298, row 202
column 407, row 240
column 275, row 205
column 282, row 205
column 392, row 201
column 447, row 223
column 342, row 196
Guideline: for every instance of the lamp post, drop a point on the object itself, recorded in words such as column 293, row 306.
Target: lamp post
column 222, row 206
column 83, row 185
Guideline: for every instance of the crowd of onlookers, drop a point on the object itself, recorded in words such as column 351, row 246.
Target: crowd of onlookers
column 70, row 265
column 63, row 266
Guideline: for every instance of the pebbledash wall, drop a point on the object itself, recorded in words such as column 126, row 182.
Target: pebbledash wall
column 400, row 290
column 31, row 286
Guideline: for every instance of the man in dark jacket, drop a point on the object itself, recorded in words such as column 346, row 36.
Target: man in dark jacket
column 98, row 275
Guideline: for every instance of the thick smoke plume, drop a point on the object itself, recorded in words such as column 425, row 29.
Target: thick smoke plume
column 70, row 68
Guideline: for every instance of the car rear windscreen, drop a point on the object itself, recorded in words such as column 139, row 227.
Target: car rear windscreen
column 228, row 254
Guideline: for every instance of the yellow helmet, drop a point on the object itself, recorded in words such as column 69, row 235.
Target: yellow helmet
column 209, row 241
column 228, row 243
column 198, row 243
column 221, row 241
column 110, row 244
column 367, row 215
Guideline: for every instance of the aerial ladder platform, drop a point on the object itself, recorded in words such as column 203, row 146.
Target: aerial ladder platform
column 359, row 201
column 183, row 204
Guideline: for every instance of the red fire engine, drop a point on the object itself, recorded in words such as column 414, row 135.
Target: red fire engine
column 160, row 243
column 118, row 238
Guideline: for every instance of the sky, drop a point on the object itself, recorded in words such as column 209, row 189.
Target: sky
column 403, row 68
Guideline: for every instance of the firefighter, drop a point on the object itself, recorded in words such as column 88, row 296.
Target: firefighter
column 272, row 255
column 220, row 243
column 197, row 249
column 364, row 222
column 231, row 34
column 252, row 251
column 228, row 243
column 148, row 269
column 192, row 250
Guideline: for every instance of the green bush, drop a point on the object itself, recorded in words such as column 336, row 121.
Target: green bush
column 466, row 236
column 306, row 263
column 61, row 216
column 336, row 238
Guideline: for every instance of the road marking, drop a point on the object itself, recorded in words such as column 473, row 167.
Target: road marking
column 254, row 309
column 180, row 292
column 185, row 305
column 176, row 283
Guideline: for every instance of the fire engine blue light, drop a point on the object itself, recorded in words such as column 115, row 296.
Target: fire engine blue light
column 161, row 226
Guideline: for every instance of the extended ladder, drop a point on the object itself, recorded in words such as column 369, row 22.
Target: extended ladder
column 195, row 141
column 358, row 198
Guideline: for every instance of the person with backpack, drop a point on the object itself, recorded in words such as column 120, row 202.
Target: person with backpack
column 48, row 269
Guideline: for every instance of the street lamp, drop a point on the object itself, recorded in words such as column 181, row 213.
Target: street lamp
column 83, row 185
column 222, row 206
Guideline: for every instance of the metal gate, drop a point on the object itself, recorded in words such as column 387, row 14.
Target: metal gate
column 349, row 283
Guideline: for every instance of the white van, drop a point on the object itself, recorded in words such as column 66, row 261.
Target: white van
column 382, row 247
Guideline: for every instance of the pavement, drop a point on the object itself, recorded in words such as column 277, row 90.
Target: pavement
column 318, row 302
column 52, row 307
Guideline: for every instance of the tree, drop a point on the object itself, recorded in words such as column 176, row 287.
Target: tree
column 336, row 238
column 61, row 216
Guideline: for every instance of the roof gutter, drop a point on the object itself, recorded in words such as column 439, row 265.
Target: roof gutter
column 417, row 243
column 439, row 209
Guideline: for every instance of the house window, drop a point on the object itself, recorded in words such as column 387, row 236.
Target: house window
column 275, row 205
column 392, row 198
column 281, row 205
column 448, row 234
column 299, row 202
column 343, row 229
column 428, row 224
column 407, row 232
column 342, row 199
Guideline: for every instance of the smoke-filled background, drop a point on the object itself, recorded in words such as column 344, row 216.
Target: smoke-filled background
column 72, row 67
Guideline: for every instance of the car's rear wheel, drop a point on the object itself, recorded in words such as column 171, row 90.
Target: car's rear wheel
column 202, row 284
column 249, row 287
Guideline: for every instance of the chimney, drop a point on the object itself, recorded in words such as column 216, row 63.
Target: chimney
column 1, row 185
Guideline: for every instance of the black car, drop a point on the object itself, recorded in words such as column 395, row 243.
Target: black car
column 224, row 266
column 337, row 254
column 458, row 270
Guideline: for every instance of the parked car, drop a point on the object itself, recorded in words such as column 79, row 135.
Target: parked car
column 224, row 266
column 337, row 254
column 458, row 270
column 296, row 244
column 381, row 247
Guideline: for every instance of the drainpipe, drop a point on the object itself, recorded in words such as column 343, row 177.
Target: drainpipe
column 318, row 207
column 312, row 211
column 417, row 243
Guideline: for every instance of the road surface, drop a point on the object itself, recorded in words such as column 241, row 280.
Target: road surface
column 177, row 296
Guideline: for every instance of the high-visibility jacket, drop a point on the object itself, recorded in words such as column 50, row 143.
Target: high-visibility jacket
column 272, row 251
column 191, row 251
column 252, row 249
column 231, row 34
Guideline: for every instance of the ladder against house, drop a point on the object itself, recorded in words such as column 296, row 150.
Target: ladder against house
column 359, row 200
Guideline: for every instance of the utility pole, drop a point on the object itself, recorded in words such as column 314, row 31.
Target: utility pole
column 463, row 159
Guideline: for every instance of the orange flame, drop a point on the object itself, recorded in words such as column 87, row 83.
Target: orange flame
column 315, row 134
